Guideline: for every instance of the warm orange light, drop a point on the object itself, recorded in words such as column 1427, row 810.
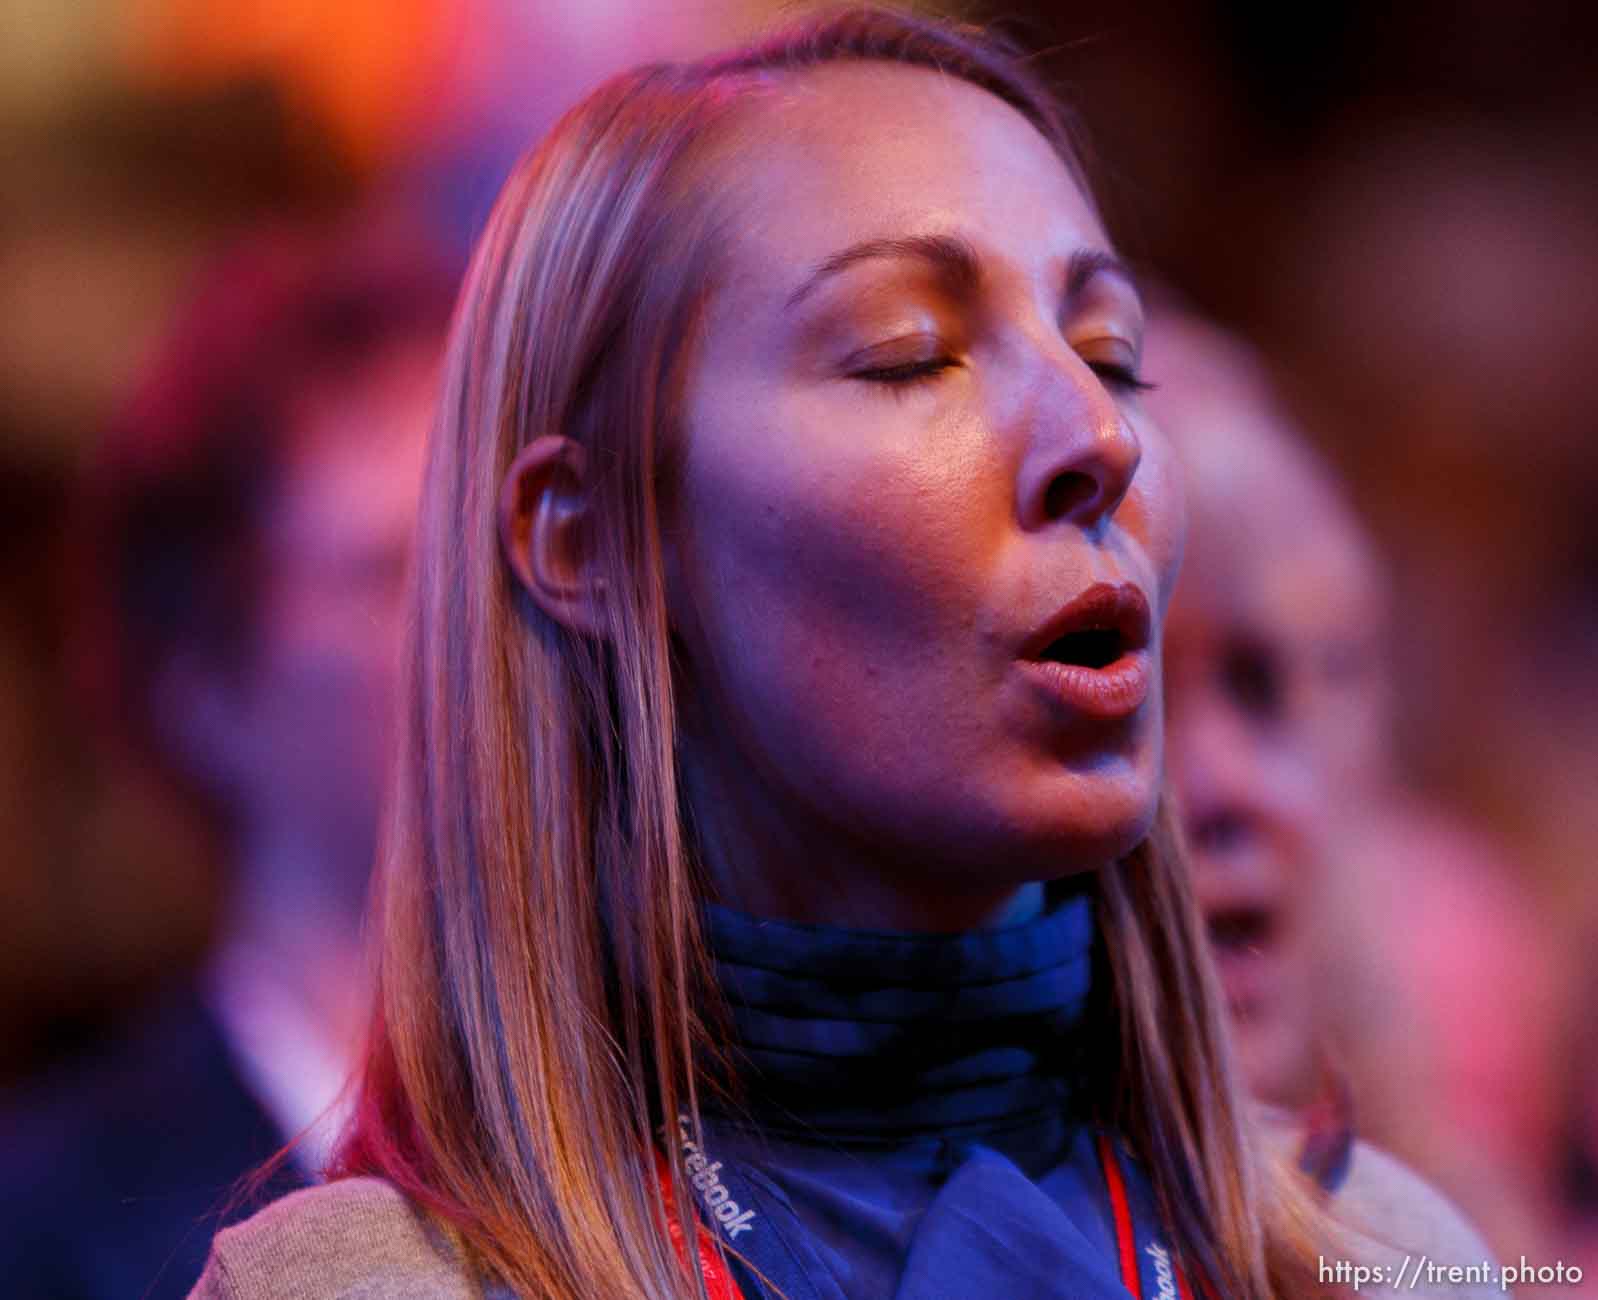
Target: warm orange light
column 357, row 65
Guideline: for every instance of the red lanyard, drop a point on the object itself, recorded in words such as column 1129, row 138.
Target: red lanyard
column 1125, row 1234
column 719, row 1283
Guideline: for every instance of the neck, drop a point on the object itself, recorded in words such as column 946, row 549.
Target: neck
column 760, row 861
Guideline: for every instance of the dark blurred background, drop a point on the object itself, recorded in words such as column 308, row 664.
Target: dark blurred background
column 1392, row 203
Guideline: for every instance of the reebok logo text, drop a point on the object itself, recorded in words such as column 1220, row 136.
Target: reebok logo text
column 706, row 1179
column 1164, row 1278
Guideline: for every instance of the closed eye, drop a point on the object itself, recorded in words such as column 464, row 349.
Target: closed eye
column 1120, row 377
column 908, row 372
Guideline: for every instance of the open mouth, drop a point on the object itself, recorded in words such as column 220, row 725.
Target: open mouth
column 1101, row 626
column 1090, row 655
column 1093, row 647
column 1243, row 941
column 1240, row 931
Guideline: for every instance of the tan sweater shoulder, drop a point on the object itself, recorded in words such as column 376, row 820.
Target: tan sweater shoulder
column 354, row 1239
column 1391, row 1218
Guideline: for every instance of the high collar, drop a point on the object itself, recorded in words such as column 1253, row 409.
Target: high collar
column 870, row 1036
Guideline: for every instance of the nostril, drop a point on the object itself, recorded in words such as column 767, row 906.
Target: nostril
column 1068, row 493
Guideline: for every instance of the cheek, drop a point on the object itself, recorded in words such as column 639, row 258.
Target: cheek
column 809, row 525
column 824, row 571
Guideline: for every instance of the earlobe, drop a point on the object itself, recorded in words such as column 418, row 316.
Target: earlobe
column 544, row 531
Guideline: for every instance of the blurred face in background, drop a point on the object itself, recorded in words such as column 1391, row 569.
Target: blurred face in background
column 1274, row 690
column 916, row 458
column 310, row 738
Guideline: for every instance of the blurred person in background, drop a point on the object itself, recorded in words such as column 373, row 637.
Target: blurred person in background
column 245, row 529
column 1253, row 799
column 1468, row 419
column 1379, row 969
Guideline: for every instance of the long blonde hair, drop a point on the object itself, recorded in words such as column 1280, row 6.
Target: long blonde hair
column 544, row 989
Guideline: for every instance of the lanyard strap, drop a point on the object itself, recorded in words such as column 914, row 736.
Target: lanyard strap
column 719, row 1284
column 1167, row 1280
column 745, row 1235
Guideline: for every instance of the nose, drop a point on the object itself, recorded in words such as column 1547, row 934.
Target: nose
column 1082, row 453
column 1238, row 795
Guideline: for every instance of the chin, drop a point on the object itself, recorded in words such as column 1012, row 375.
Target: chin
column 1110, row 809
column 1084, row 834
column 1277, row 1061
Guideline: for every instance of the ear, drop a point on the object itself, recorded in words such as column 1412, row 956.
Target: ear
column 545, row 532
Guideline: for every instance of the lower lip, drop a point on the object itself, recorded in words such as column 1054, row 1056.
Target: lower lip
column 1247, row 976
column 1115, row 691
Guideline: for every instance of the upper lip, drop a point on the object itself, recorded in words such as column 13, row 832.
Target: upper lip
column 1113, row 607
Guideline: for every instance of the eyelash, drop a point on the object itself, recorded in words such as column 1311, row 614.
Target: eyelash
column 909, row 372
column 915, row 372
column 1122, row 377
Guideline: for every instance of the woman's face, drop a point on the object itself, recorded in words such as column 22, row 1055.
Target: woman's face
column 924, row 536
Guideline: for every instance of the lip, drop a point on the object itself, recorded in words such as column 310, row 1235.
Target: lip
column 1249, row 971
column 1245, row 915
column 1113, row 690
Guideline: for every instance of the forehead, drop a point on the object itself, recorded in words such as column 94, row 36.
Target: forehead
column 1270, row 540
column 856, row 151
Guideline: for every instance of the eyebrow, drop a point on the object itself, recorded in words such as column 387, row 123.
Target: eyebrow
column 955, row 260
column 949, row 255
column 1087, row 264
